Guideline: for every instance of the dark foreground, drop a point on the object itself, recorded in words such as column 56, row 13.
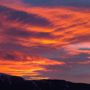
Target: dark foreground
column 8, row 82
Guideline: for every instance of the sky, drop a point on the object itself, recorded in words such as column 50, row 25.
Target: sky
column 45, row 39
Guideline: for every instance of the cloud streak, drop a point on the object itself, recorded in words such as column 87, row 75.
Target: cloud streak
column 11, row 61
column 57, row 3
column 44, row 40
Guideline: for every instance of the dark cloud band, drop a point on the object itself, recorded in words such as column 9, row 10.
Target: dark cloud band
column 53, row 3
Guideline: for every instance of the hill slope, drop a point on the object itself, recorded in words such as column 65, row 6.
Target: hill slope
column 8, row 82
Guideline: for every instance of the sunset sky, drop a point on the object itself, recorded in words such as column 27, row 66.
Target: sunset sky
column 45, row 39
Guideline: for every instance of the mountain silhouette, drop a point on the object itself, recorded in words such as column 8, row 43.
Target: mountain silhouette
column 8, row 82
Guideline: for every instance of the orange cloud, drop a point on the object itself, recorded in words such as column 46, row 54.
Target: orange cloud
column 66, row 26
column 85, row 62
column 30, row 27
column 19, row 64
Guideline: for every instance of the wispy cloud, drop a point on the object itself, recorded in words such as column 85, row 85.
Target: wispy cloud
column 43, row 40
column 11, row 61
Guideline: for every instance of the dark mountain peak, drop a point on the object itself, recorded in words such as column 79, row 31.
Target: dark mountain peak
column 4, row 76
column 15, row 83
column 8, row 79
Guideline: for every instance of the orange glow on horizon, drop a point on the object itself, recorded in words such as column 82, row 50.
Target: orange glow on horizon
column 26, row 65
